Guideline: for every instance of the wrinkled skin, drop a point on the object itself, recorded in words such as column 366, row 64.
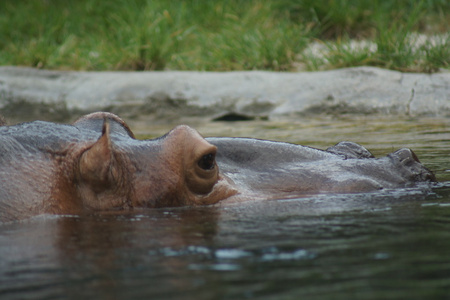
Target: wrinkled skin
column 97, row 164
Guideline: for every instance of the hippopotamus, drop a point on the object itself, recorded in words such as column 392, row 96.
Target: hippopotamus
column 97, row 164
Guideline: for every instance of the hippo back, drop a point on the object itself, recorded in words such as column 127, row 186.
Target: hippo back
column 40, row 136
column 30, row 155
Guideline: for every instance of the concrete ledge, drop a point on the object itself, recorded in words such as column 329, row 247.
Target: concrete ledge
column 362, row 90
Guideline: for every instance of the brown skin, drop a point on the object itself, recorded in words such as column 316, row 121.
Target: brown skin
column 111, row 172
column 108, row 178
column 97, row 165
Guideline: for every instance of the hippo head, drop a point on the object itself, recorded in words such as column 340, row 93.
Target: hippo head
column 119, row 171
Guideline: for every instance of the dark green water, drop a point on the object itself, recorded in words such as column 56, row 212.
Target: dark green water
column 385, row 245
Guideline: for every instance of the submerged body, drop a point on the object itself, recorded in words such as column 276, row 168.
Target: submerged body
column 97, row 164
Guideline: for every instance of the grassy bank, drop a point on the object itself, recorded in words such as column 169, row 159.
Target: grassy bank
column 224, row 35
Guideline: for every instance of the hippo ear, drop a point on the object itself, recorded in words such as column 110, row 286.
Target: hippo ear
column 94, row 121
column 96, row 162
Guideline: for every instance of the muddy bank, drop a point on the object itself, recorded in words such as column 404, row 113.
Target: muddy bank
column 58, row 95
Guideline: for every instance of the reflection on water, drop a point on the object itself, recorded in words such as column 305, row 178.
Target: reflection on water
column 385, row 245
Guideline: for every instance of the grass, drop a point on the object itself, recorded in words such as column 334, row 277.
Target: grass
column 223, row 35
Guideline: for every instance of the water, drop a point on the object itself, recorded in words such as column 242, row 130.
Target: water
column 389, row 245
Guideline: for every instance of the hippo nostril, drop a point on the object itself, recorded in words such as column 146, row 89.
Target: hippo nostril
column 206, row 162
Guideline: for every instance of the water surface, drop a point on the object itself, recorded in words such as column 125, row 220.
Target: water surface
column 392, row 244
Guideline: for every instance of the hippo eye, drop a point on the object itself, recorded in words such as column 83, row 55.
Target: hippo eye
column 206, row 162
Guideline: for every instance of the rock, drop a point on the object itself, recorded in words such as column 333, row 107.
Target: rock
column 255, row 94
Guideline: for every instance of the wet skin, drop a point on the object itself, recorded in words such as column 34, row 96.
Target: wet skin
column 97, row 164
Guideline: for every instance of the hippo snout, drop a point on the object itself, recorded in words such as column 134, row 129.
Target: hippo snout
column 410, row 165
